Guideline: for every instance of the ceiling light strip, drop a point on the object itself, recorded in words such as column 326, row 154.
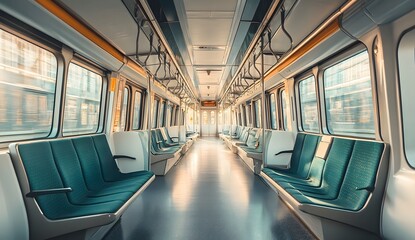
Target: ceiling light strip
column 90, row 34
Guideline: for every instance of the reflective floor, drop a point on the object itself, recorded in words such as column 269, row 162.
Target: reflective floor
column 210, row 194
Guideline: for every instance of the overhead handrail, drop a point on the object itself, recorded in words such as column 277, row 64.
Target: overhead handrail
column 158, row 56
column 284, row 30
column 151, row 48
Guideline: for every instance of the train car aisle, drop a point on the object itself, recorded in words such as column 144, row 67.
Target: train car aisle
column 210, row 194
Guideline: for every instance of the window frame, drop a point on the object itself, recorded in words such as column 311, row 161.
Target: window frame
column 270, row 96
column 338, row 58
column 44, row 42
column 298, row 80
column 86, row 64
column 401, row 109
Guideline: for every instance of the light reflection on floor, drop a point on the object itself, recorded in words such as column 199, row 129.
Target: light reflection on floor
column 210, row 194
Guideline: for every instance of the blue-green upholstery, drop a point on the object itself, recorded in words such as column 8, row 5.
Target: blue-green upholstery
column 358, row 181
column 303, row 153
column 333, row 172
column 157, row 148
column 344, row 180
column 79, row 163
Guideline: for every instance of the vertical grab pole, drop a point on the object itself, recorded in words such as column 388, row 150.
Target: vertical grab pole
column 258, row 168
column 149, row 115
column 179, row 119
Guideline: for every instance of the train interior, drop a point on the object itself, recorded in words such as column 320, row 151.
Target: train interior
column 193, row 119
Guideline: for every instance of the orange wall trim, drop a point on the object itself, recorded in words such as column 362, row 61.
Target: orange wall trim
column 299, row 52
column 87, row 32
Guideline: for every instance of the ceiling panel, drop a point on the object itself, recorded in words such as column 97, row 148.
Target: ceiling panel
column 208, row 91
column 208, row 32
column 213, row 77
column 120, row 29
column 208, row 57
column 211, row 5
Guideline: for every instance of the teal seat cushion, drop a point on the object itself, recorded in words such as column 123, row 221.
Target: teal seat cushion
column 42, row 174
column 359, row 179
column 333, row 172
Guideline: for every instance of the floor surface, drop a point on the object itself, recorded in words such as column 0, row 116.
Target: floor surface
column 209, row 194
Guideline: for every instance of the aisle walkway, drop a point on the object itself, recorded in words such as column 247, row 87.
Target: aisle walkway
column 210, row 194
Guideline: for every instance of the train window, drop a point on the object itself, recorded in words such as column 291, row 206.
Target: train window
column 257, row 106
column 82, row 101
column 308, row 105
column 155, row 113
column 248, row 114
column 177, row 116
column 283, row 99
column 27, row 89
column 348, row 97
column 168, row 115
column 244, row 115
column 406, row 50
column 162, row 114
column 138, row 98
column 121, row 109
column 273, row 111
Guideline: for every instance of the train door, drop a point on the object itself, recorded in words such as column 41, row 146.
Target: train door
column 209, row 120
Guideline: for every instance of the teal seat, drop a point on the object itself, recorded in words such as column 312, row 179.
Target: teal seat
column 359, row 180
column 157, row 148
column 313, row 179
column 110, row 170
column 302, row 155
column 42, row 174
column 93, row 172
column 69, row 168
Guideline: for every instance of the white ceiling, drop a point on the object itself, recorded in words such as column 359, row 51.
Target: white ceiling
column 209, row 26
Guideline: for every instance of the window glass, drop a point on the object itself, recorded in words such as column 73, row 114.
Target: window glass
column 348, row 97
column 205, row 118
column 257, row 106
column 168, row 115
column 155, row 113
column 162, row 113
column 248, row 114
column 27, row 89
column 284, row 109
column 406, row 63
column 82, row 102
column 273, row 112
column 245, row 116
column 212, row 117
column 308, row 105
column 121, row 110
column 138, row 98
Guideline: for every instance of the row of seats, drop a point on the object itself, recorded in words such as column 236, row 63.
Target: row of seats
column 73, row 184
column 335, row 178
column 247, row 143
column 166, row 150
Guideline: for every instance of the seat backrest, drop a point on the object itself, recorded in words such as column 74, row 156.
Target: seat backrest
column 252, row 138
column 69, row 167
column 109, row 167
column 307, row 154
column 335, row 166
column 90, row 162
column 361, row 173
column 303, row 153
column 42, row 174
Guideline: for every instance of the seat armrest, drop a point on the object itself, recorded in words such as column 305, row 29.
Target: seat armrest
column 124, row 156
column 36, row 193
column 240, row 144
column 285, row 151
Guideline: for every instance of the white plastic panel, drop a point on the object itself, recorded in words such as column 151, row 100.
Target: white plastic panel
column 279, row 141
column 13, row 219
column 129, row 144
